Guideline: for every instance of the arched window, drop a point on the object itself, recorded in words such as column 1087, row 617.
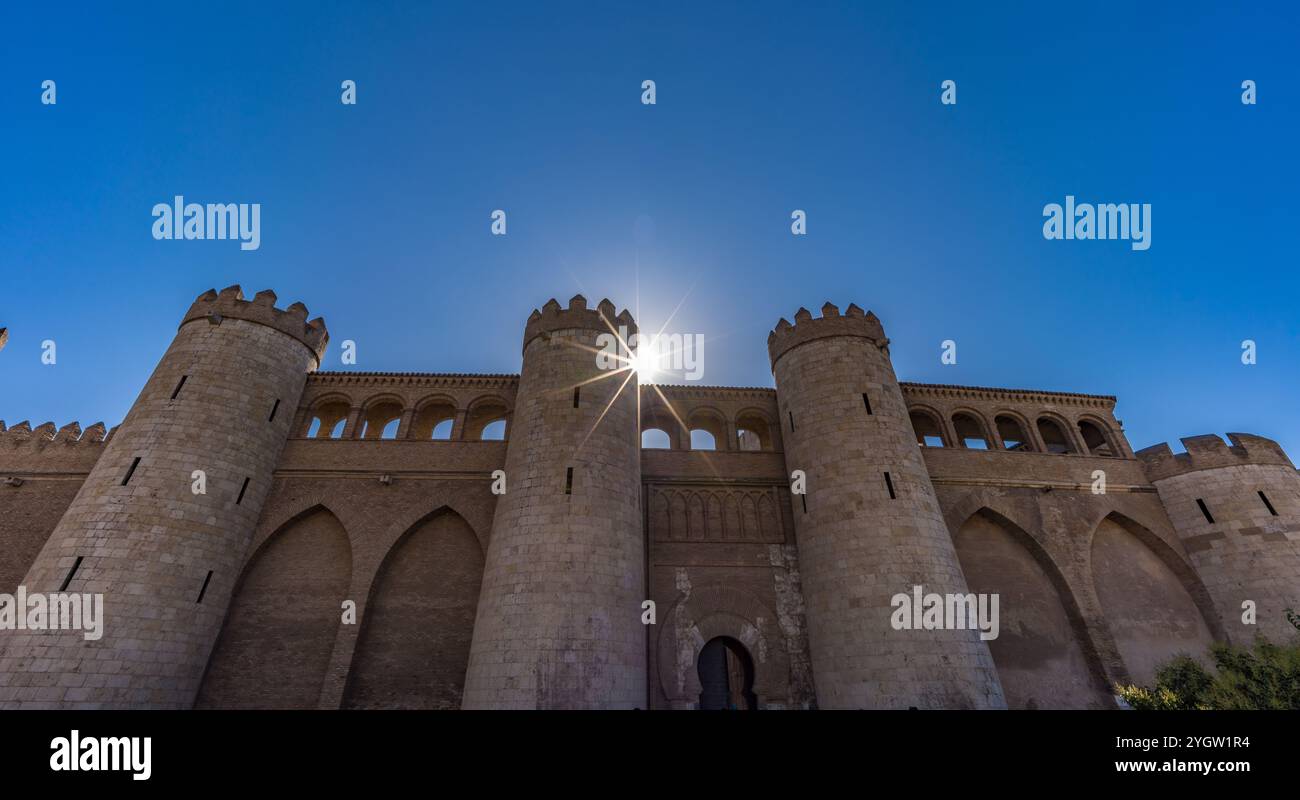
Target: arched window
column 970, row 432
column 655, row 439
column 380, row 421
column 494, row 431
column 483, row 413
column 1095, row 440
column 328, row 420
column 708, row 429
column 1054, row 438
column 703, row 440
column 1013, row 435
column 433, row 420
column 926, row 427
column 752, row 433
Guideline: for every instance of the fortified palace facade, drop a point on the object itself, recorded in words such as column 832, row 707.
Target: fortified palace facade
column 350, row 547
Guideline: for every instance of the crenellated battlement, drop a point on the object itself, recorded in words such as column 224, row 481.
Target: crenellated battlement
column 25, row 450
column 854, row 322
column 70, row 434
column 553, row 317
column 214, row 307
column 1208, row 451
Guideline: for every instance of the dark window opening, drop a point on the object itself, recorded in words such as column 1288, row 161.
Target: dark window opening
column 204, row 590
column 970, row 432
column 803, row 498
column 927, row 430
column 1095, row 440
column 889, row 484
column 1205, row 511
column 791, row 413
column 242, row 489
column 177, row 390
column 1267, row 504
column 1013, row 436
column 1053, row 437
column 753, row 432
column 131, row 470
column 576, row 390
column 71, row 572
column 274, row 409
column 568, row 481
column 866, row 401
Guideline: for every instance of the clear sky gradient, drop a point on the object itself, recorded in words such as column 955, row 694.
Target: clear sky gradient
column 377, row 215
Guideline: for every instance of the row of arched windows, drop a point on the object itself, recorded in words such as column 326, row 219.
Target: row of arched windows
column 389, row 418
column 708, row 429
column 1050, row 434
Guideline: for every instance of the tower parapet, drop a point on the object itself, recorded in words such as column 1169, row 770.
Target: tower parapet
column 1208, row 451
column 162, row 547
column 1236, row 510
column 552, row 318
column 854, row 322
column 558, row 622
column 292, row 321
column 869, row 527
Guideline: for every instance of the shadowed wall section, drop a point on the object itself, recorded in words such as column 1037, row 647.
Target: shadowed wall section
column 276, row 643
column 1151, row 614
column 27, row 518
column 1039, row 652
column 414, row 645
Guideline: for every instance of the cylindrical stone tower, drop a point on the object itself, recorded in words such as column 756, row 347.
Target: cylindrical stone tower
column 1237, row 511
column 871, row 527
column 558, row 622
column 161, row 525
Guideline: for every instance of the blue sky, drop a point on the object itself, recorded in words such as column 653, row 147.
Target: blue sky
column 377, row 215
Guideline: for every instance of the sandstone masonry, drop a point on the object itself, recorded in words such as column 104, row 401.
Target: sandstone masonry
column 373, row 491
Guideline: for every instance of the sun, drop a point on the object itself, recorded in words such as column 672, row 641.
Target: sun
column 642, row 361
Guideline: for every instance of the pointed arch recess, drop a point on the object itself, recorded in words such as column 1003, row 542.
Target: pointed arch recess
column 275, row 645
column 413, row 646
column 1153, row 603
column 1043, row 652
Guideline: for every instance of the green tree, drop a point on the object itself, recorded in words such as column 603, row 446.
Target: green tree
column 1265, row 676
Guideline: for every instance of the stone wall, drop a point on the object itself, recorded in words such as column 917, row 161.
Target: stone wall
column 164, row 557
column 870, row 526
column 370, row 565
